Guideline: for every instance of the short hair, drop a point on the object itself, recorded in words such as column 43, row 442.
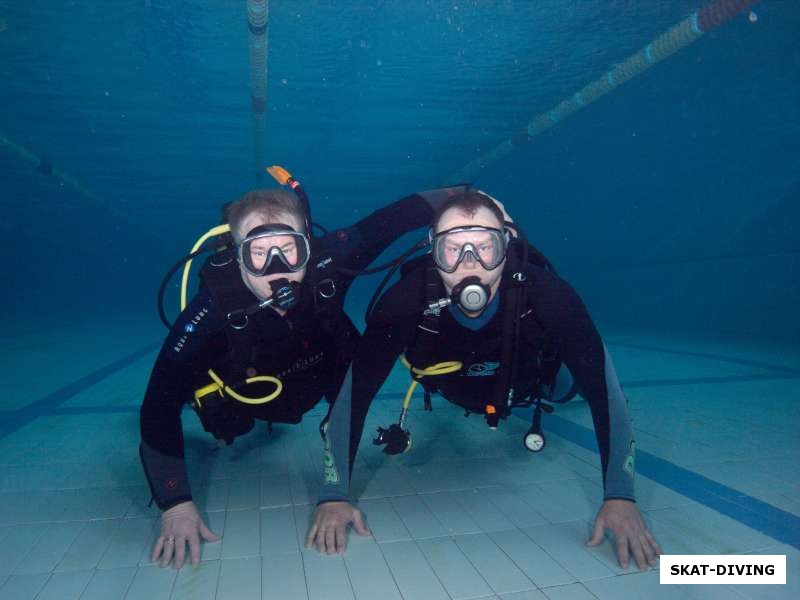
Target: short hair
column 271, row 204
column 468, row 202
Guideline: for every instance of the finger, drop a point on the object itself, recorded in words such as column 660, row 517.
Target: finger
column 358, row 524
column 653, row 543
column 340, row 539
column 207, row 534
column 622, row 552
column 320, row 539
column 194, row 549
column 166, row 554
column 649, row 554
column 157, row 549
column 638, row 553
column 597, row 536
column 180, row 552
column 330, row 540
column 312, row 533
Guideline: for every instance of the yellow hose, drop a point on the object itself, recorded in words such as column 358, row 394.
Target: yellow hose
column 218, row 230
column 442, row 368
column 245, row 399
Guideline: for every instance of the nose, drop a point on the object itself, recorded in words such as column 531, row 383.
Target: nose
column 469, row 260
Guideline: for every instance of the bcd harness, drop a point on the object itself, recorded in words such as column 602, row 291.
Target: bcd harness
column 505, row 396
column 251, row 332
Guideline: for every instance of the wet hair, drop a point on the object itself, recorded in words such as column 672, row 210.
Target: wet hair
column 272, row 205
column 468, row 203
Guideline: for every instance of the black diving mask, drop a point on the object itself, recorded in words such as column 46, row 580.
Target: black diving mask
column 273, row 248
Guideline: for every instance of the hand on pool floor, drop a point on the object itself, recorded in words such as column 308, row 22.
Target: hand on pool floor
column 622, row 517
column 328, row 531
column 181, row 525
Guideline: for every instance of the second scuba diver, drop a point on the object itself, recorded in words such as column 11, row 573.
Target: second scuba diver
column 265, row 337
column 487, row 327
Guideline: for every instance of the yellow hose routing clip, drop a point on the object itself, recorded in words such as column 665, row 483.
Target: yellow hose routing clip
column 219, row 387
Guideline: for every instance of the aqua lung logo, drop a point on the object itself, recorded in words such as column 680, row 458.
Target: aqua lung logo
column 189, row 328
column 324, row 263
column 301, row 364
column 484, row 369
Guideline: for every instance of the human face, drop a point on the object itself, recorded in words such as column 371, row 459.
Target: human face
column 486, row 251
column 273, row 249
column 469, row 244
column 259, row 254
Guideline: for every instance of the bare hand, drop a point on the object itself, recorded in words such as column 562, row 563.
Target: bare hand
column 327, row 532
column 181, row 525
column 622, row 517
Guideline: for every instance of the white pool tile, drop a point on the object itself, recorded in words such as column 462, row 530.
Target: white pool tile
column 494, row 565
column 196, row 583
column 111, row 584
column 326, row 577
column 414, row 576
column 242, row 534
column 65, row 586
column 282, row 576
column 152, row 583
column 565, row 543
column 455, row 572
column 368, row 571
column 23, row 587
column 531, row 559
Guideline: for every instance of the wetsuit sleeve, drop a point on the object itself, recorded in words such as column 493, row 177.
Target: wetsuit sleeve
column 384, row 340
column 381, row 228
column 564, row 316
column 191, row 343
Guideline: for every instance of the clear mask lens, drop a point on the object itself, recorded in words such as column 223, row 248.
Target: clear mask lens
column 469, row 245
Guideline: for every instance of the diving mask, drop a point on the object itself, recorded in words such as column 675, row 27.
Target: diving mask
column 274, row 248
column 474, row 243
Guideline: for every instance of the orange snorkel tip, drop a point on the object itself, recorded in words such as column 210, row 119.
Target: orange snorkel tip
column 279, row 174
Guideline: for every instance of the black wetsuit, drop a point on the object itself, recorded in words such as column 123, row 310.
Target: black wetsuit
column 554, row 316
column 304, row 349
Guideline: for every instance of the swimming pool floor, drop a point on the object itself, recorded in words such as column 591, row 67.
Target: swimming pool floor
column 467, row 513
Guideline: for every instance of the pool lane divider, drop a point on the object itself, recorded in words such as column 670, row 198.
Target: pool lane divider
column 14, row 420
column 683, row 34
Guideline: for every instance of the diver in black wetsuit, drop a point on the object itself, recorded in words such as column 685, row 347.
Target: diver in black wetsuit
column 269, row 307
column 489, row 299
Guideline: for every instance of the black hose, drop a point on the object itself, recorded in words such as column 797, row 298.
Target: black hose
column 395, row 264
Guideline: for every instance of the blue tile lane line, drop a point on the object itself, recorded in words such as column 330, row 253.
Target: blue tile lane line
column 15, row 419
column 708, row 355
column 756, row 514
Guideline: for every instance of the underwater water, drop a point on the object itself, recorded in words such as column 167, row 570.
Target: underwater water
column 670, row 203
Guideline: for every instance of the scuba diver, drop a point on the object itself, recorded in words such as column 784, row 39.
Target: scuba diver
column 484, row 321
column 265, row 337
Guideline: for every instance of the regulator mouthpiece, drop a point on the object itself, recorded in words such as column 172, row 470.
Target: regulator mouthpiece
column 284, row 293
column 471, row 294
